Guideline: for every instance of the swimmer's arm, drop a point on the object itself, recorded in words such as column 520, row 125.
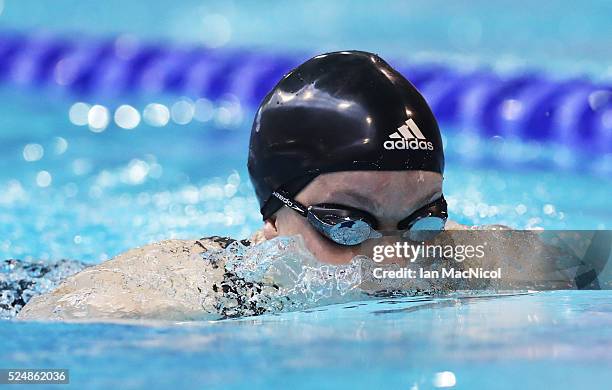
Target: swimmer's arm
column 528, row 260
column 166, row 280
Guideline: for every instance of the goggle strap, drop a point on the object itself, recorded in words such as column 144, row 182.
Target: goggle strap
column 286, row 199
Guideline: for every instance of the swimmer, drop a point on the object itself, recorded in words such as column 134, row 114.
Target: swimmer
column 343, row 150
column 346, row 136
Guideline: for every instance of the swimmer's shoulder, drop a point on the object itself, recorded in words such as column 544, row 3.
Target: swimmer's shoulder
column 166, row 279
column 455, row 226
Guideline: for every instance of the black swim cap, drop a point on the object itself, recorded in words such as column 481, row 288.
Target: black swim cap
column 341, row 111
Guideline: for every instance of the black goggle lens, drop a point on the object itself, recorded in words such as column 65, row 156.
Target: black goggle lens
column 425, row 229
column 350, row 233
column 348, row 226
column 343, row 226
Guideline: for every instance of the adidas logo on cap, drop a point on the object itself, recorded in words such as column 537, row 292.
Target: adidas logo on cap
column 408, row 136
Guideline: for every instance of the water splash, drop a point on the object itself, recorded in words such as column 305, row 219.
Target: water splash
column 281, row 275
column 21, row 280
column 300, row 281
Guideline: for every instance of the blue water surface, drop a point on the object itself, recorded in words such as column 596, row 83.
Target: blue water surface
column 535, row 341
column 112, row 190
column 69, row 192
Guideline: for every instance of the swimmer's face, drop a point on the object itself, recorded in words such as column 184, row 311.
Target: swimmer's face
column 390, row 196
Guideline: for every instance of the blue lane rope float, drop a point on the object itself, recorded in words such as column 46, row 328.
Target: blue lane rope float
column 525, row 106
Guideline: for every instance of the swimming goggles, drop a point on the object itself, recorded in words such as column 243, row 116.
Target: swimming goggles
column 349, row 226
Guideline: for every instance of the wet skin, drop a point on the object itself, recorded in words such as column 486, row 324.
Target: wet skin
column 390, row 196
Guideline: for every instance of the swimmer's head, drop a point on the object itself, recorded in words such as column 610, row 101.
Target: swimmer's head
column 340, row 123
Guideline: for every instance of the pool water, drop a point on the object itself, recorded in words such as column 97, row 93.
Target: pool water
column 67, row 192
column 534, row 341
column 116, row 189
